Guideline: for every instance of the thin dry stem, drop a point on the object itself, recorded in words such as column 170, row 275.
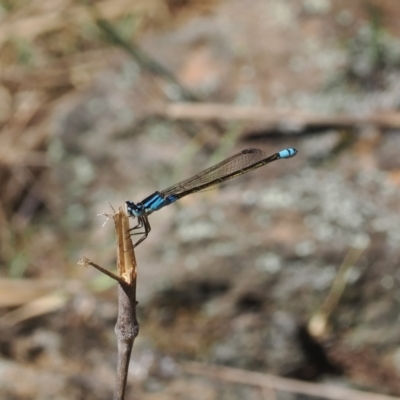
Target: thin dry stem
column 318, row 323
column 285, row 120
column 127, row 326
column 281, row 384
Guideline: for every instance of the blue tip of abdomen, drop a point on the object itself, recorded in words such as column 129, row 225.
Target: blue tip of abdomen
column 287, row 153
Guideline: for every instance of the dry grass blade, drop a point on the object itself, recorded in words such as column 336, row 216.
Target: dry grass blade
column 35, row 308
column 15, row 292
column 318, row 323
column 32, row 26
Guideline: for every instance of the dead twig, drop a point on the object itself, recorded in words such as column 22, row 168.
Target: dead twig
column 289, row 121
column 278, row 383
column 127, row 326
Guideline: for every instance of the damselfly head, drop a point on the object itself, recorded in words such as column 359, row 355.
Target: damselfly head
column 133, row 210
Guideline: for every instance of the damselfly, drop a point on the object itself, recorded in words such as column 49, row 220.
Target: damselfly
column 234, row 166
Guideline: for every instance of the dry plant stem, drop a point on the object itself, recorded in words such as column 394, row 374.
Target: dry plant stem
column 126, row 329
column 318, row 323
column 85, row 261
column 339, row 284
column 127, row 326
column 274, row 119
column 282, row 384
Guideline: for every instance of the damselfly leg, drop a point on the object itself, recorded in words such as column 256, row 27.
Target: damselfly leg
column 143, row 222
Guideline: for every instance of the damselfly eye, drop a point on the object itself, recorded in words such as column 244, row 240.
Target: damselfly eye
column 132, row 209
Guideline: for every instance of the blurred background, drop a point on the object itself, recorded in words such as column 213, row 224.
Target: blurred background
column 292, row 270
